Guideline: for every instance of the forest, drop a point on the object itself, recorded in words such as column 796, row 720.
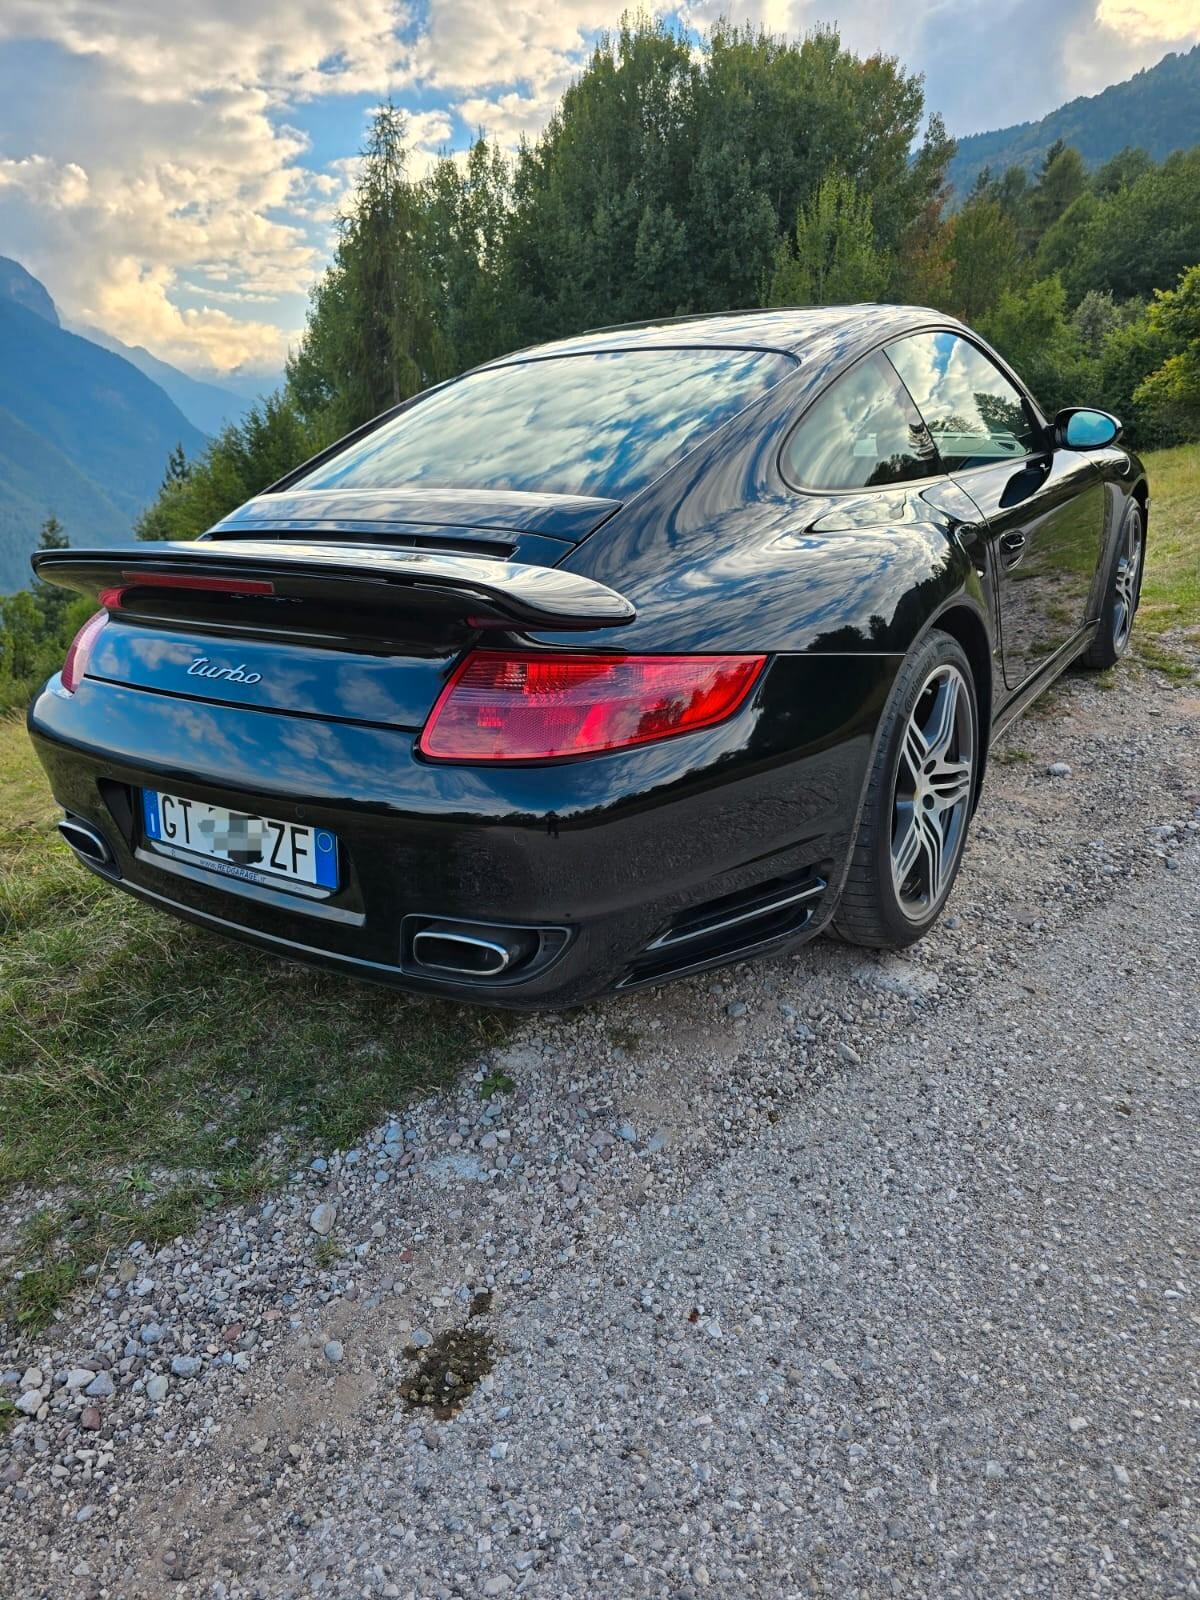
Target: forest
column 755, row 172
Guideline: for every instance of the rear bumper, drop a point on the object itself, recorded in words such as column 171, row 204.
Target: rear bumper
column 627, row 852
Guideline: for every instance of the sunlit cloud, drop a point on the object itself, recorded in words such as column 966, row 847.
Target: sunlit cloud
column 184, row 194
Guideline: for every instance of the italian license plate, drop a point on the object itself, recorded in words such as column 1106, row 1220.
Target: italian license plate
column 240, row 844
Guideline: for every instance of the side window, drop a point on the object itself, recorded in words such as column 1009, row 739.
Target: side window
column 973, row 412
column 862, row 432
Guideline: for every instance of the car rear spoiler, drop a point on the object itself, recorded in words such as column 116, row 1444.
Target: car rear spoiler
column 494, row 592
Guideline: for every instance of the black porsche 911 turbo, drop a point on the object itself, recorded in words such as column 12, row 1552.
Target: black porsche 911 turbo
column 612, row 660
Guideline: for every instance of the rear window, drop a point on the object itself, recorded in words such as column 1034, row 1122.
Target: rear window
column 598, row 424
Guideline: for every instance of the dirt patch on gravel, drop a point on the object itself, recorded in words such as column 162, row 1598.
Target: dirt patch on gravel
column 448, row 1371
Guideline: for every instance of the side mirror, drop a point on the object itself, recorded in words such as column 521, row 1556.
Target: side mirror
column 1080, row 429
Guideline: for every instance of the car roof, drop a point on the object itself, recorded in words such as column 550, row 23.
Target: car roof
column 785, row 328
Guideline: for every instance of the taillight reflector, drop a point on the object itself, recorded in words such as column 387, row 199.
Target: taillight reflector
column 534, row 706
column 76, row 663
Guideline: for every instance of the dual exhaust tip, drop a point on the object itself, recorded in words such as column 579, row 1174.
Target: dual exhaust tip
column 462, row 950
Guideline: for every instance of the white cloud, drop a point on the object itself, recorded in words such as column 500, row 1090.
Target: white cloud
column 507, row 118
column 133, row 303
column 173, row 198
column 178, row 159
column 165, row 52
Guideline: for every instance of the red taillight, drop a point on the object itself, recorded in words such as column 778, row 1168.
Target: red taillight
column 540, row 707
column 75, row 665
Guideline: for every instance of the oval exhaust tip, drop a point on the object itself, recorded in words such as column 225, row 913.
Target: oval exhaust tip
column 85, row 840
column 465, row 954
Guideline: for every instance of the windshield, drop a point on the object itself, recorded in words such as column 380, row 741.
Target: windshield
column 597, row 424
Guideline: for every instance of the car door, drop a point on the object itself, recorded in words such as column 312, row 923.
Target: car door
column 1043, row 508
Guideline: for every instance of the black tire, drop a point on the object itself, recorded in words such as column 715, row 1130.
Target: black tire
column 1121, row 594
column 871, row 911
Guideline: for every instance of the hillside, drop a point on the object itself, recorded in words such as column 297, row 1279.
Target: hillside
column 83, row 434
column 1157, row 109
column 28, row 464
column 206, row 405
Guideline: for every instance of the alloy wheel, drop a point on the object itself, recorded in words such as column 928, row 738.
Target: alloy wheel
column 1125, row 590
column 932, row 798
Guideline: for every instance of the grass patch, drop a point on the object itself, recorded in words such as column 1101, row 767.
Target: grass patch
column 150, row 1071
column 1161, row 658
column 326, row 1253
column 1171, row 582
column 496, row 1083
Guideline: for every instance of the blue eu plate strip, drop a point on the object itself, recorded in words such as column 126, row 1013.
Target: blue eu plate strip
column 150, row 814
column 326, row 859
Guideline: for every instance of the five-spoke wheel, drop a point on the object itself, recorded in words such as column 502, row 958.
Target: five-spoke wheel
column 919, row 800
column 1122, row 590
column 932, row 796
column 1125, row 583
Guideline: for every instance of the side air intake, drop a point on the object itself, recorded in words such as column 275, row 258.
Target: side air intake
column 730, row 926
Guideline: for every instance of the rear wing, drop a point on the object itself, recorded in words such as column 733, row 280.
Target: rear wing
column 143, row 579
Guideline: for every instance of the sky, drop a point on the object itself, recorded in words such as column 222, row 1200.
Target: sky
column 171, row 169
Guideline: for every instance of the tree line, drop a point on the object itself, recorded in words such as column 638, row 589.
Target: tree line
column 756, row 172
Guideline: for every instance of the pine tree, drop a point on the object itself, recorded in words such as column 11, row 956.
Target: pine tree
column 373, row 337
column 1061, row 180
column 52, row 601
column 178, row 469
column 52, row 536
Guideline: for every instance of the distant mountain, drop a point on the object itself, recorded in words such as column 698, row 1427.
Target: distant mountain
column 83, row 434
column 206, row 405
column 24, row 290
column 252, row 386
column 1157, row 109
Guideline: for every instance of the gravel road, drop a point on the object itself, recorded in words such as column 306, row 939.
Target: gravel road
column 831, row 1275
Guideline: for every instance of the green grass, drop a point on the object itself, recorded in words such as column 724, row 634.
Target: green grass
column 1171, row 583
column 496, row 1083
column 150, row 1071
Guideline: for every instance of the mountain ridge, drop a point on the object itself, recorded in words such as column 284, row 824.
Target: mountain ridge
column 84, row 435
column 1157, row 109
column 207, row 406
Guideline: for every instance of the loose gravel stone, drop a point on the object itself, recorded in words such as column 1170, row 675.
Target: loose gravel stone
column 885, row 1291
column 333, row 1351
column 323, row 1218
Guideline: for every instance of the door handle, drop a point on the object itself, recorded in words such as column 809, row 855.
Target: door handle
column 1013, row 547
